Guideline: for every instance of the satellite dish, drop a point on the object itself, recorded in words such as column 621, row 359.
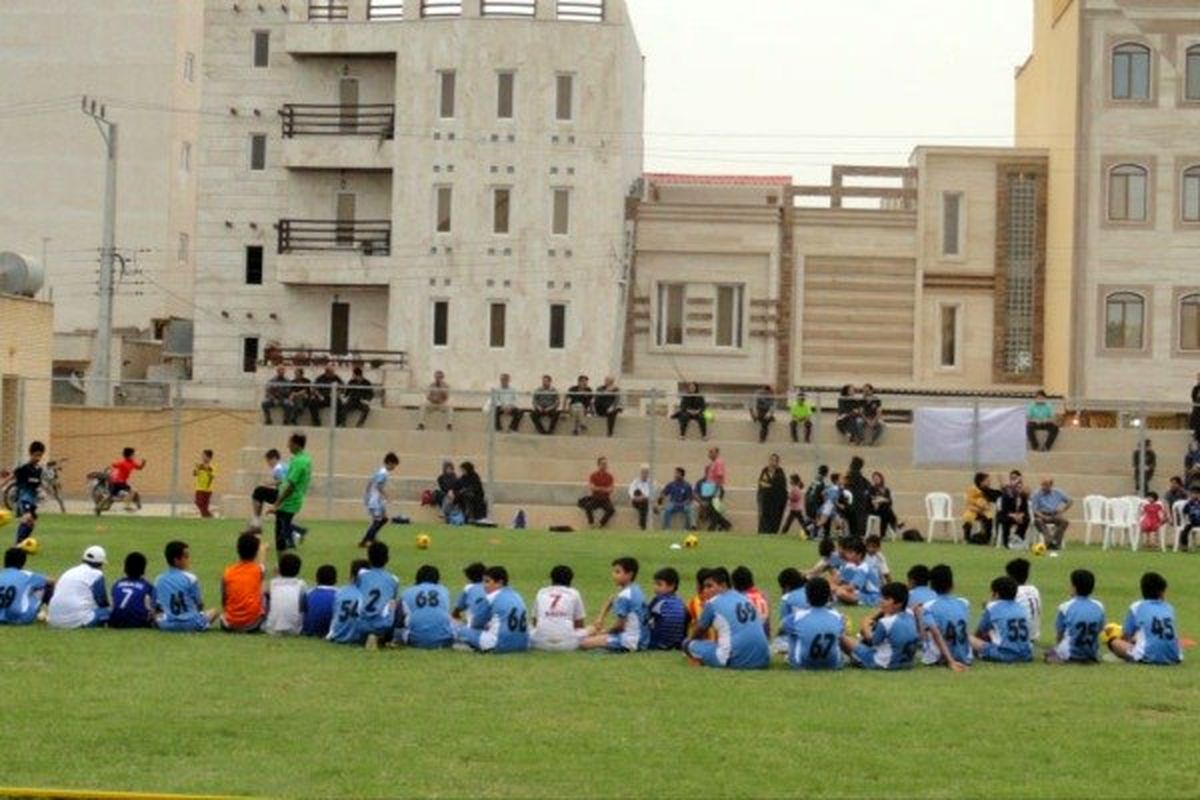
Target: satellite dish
column 20, row 275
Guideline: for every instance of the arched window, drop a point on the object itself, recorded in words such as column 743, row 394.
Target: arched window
column 1127, row 193
column 1192, row 86
column 1190, row 201
column 1189, row 322
column 1123, row 321
column 1131, row 72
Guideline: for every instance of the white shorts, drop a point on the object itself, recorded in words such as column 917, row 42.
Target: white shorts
column 555, row 642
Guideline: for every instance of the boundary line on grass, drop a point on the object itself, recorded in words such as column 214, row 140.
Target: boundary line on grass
column 88, row 794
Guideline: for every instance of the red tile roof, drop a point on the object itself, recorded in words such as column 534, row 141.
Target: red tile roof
column 718, row 180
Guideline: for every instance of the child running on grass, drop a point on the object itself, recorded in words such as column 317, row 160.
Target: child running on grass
column 205, row 473
column 376, row 497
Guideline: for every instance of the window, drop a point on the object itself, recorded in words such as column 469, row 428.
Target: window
column 504, row 95
column 501, row 203
column 258, row 151
column 1131, row 72
column 1127, row 193
column 564, row 98
column 185, row 156
column 254, row 265
column 1191, row 89
column 189, row 67
column 1021, row 284
column 729, row 316
column 497, row 324
column 445, row 201
column 262, row 49
column 561, row 224
column 1191, row 194
column 250, row 354
column 446, row 83
column 1123, row 316
column 1189, row 322
column 948, row 329
column 441, row 323
column 558, row 326
column 183, row 247
column 670, row 313
column 339, row 328
column 952, row 224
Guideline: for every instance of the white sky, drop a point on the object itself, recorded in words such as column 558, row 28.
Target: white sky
column 792, row 86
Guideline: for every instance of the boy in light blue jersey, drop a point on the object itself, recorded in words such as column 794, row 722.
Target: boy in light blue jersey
column 949, row 617
column 629, row 633
column 343, row 627
column 1149, row 635
column 889, row 637
column 1003, row 631
column 423, row 619
column 1078, row 624
column 22, row 592
column 471, row 605
column 177, row 598
column 856, row 584
column 504, row 625
column 741, row 642
column 792, row 598
column 919, row 592
column 813, row 633
column 377, row 610
column 375, row 499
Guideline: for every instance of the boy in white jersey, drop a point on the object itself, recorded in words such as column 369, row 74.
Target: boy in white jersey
column 286, row 598
column 375, row 499
column 1027, row 595
column 558, row 614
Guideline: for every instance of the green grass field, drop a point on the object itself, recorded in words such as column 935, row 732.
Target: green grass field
column 214, row 713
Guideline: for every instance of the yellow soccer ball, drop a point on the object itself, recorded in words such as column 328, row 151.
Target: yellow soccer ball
column 5, row 517
column 423, row 541
column 691, row 541
column 1039, row 549
column 30, row 546
column 1111, row 631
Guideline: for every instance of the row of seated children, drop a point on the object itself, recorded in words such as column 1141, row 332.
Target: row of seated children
column 727, row 623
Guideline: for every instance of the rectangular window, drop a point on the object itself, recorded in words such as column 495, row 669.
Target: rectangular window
column 558, row 326
column 1020, row 275
column 1124, row 319
column 185, row 156
column 183, row 247
column 262, row 49
column 501, row 203
column 497, row 324
column 949, row 336
column 1191, row 195
column 1127, row 194
column 564, row 98
column 952, row 224
column 446, row 85
column 189, row 67
column 258, row 151
column 561, row 224
column 1189, row 323
column 254, row 265
column 729, row 316
column 250, row 354
column 670, row 313
column 1131, row 72
column 445, row 202
column 339, row 328
column 504, row 94
column 441, row 323
column 1192, row 87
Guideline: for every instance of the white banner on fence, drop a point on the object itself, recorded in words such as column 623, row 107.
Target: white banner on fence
column 943, row 436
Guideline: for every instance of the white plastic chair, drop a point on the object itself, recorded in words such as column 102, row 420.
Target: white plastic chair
column 939, row 508
column 1093, row 515
column 1120, row 522
column 1178, row 522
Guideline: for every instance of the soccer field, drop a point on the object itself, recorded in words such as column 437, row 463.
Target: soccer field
column 222, row 714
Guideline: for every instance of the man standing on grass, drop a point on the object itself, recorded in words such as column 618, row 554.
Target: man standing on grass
column 292, row 494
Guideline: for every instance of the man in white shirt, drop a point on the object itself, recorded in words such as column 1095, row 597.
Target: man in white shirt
column 80, row 597
column 504, row 401
column 641, row 489
column 558, row 614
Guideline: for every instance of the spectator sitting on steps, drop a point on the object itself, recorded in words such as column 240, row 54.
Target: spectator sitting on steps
column 762, row 411
column 870, row 420
column 692, row 406
column 504, row 400
column 1049, row 506
column 545, row 404
column 980, row 507
column 437, row 401
column 847, row 414
column 1040, row 417
column 676, row 498
column 606, row 402
column 599, row 496
column 322, row 393
column 357, row 396
column 446, row 481
column 276, row 395
column 801, row 413
column 467, row 494
column 641, row 490
column 578, row 404
column 298, row 396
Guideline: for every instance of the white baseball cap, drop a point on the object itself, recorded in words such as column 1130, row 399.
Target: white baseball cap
column 95, row 555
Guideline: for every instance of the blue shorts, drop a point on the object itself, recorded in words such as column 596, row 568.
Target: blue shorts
column 864, row 656
column 705, row 651
column 26, row 506
column 616, row 644
column 193, row 623
column 993, row 652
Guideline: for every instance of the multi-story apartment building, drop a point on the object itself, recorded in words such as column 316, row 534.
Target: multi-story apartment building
column 442, row 180
column 1112, row 91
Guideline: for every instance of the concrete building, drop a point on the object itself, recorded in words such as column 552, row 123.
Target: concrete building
column 1112, row 90
column 422, row 184
column 27, row 331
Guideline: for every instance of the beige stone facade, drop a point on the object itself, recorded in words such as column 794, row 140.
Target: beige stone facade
column 26, row 351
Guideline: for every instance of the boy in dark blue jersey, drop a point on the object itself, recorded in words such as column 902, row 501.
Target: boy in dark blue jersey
column 28, row 481
column 133, row 596
column 667, row 614
column 318, row 603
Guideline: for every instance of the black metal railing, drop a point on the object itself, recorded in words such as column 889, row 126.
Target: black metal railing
column 328, row 9
column 581, row 10
column 509, row 8
column 371, row 237
column 385, row 10
column 311, row 119
column 441, row 8
column 276, row 356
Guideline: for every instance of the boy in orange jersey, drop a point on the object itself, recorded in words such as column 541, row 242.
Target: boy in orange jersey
column 242, row 587
column 743, row 581
column 695, row 606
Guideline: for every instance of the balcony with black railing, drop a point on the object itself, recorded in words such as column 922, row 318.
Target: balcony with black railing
column 330, row 252
column 331, row 119
column 369, row 237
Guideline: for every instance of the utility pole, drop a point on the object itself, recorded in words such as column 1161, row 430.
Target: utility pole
column 99, row 388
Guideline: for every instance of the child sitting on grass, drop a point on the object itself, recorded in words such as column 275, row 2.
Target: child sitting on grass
column 318, row 602
column 855, row 583
column 1154, row 517
column 743, row 581
column 1027, row 595
column 242, row 587
column 504, row 625
column 286, row 598
column 24, row 592
column 377, row 610
column 741, row 642
column 919, row 592
column 828, row 558
column 889, row 636
column 666, row 616
column 1003, row 632
column 343, row 627
column 875, row 558
column 793, row 597
column 695, row 605
column 628, row 633
column 1078, row 624
column 558, row 615
column 1149, row 635
column 812, row 634
column 132, row 596
column 178, row 601
column 472, row 600
column 423, row 617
